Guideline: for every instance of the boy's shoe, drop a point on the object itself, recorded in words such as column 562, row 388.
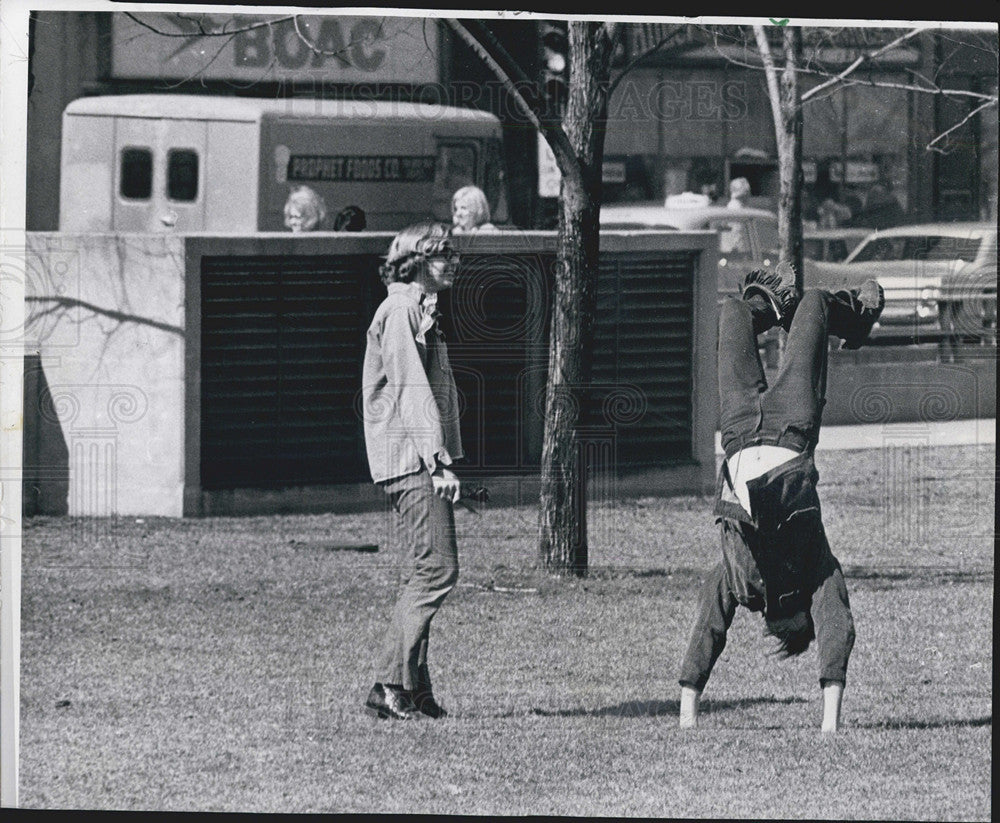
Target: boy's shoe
column 859, row 310
column 427, row 705
column 388, row 702
column 423, row 693
column 777, row 287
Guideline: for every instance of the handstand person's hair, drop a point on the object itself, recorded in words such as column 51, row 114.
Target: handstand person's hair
column 794, row 634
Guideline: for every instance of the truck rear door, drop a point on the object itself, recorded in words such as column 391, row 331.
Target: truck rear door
column 159, row 173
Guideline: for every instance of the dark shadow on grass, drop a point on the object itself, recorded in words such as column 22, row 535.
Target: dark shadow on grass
column 892, row 723
column 917, row 575
column 644, row 573
column 335, row 547
column 660, row 708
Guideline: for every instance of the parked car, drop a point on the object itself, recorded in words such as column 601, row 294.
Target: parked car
column 912, row 263
column 832, row 245
column 967, row 306
column 748, row 237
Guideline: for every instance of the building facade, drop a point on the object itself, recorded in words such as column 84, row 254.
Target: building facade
column 687, row 117
column 697, row 115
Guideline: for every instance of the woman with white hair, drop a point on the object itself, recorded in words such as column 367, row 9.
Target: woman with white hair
column 304, row 210
column 739, row 193
column 470, row 211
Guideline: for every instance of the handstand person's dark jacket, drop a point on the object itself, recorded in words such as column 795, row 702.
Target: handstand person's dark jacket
column 775, row 558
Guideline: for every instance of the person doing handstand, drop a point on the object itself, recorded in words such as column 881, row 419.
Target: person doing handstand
column 775, row 554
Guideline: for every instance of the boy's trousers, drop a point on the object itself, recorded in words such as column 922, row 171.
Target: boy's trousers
column 425, row 525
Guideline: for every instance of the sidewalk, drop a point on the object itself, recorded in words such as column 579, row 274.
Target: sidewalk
column 980, row 431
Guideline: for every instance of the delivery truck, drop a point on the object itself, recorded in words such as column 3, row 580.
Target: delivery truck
column 200, row 163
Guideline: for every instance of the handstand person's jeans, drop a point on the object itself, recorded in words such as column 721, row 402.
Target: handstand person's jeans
column 787, row 413
column 782, row 547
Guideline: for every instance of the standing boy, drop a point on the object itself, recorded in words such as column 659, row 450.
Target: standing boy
column 775, row 555
column 412, row 436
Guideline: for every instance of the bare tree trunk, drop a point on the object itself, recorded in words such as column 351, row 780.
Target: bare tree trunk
column 563, row 516
column 786, row 107
column 790, row 166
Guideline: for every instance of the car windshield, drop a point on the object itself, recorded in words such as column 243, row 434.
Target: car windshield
column 919, row 247
column 812, row 249
column 733, row 236
column 767, row 232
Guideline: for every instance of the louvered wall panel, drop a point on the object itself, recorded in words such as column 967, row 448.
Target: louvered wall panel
column 642, row 367
column 282, row 346
column 494, row 321
column 283, row 342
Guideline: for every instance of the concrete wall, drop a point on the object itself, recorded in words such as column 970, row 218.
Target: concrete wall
column 112, row 403
column 909, row 384
column 104, row 402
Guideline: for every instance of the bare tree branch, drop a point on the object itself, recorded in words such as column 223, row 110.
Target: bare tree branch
column 880, row 84
column 771, row 74
column 335, row 53
column 831, row 79
column 635, row 61
column 204, row 32
column 959, row 125
column 553, row 131
column 503, row 73
column 864, row 58
column 65, row 303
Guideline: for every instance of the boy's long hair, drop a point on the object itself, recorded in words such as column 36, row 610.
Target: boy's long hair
column 794, row 633
column 410, row 248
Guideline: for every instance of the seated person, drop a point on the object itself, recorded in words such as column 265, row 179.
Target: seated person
column 470, row 211
column 304, row 210
column 350, row 218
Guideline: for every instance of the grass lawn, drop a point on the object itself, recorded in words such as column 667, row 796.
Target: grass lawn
column 220, row 664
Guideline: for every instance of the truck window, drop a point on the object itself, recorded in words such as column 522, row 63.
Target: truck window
column 136, row 173
column 455, row 168
column 495, row 181
column 182, row 175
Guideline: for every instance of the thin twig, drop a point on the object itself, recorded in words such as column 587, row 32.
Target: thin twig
column 121, row 317
column 959, row 125
column 224, row 33
column 862, row 59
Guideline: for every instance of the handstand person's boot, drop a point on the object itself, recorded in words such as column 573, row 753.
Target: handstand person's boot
column 772, row 296
column 854, row 312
